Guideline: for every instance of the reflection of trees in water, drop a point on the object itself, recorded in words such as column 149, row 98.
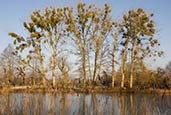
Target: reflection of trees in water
column 93, row 103
column 82, row 104
column 33, row 104
column 52, row 105
column 164, row 104
column 62, row 105
column 6, row 104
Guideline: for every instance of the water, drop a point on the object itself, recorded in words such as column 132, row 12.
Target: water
column 82, row 104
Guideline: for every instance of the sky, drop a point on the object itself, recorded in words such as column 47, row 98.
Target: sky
column 14, row 12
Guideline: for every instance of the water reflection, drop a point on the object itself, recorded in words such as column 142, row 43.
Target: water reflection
column 82, row 104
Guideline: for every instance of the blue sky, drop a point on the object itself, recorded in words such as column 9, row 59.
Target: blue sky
column 14, row 12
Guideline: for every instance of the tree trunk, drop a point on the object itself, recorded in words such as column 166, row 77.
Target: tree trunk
column 113, row 76
column 42, row 70
column 43, row 75
column 84, row 65
column 124, row 56
column 65, row 81
column 113, row 60
column 123, row 77
column 89, row 67
column 95, row 66
column 53, row 62
column 53, row 70
column 99, row 67
column 132, row 62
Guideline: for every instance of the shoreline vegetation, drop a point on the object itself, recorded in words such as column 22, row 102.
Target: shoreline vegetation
column 84, row 51
column 86, row 90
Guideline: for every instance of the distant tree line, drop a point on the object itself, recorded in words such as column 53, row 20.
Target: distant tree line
column 87, row 41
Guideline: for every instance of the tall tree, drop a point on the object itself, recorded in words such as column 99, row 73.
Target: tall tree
column 102, row 30
column 89, row 28
column 139, row 29
column 45, row 31
column 124, row 43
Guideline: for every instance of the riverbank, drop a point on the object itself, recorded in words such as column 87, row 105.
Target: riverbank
column 95, row 89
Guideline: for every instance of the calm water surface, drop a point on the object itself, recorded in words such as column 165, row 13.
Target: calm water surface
column 82, row 104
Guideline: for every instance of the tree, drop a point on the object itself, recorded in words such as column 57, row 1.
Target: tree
column 115, row 39
column 89, row 28
column 124, row 43
column 8, row 62
column 168, row 70
column 45, row 32
column 102, row 29
column 34, row 68
column 139, row 30
column 64, row 69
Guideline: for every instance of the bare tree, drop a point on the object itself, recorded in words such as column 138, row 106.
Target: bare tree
column 64, row 68
column 8, row 62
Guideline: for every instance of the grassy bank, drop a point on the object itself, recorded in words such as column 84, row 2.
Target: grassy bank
column 95, row 89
